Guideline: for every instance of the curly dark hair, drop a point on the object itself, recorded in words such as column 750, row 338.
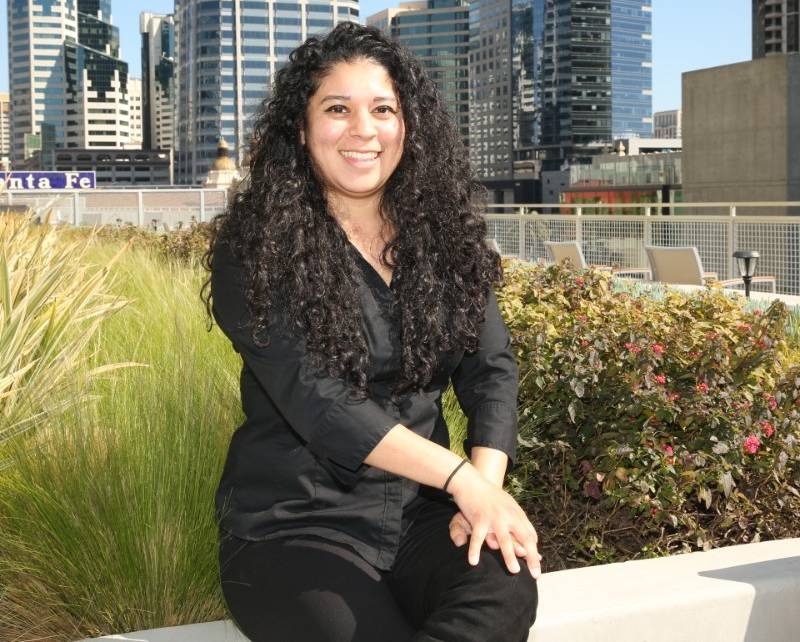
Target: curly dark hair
column 297, row 257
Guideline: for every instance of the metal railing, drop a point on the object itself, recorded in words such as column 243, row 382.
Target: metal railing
column 716, row 229
column 158, row 208
column 619, row 239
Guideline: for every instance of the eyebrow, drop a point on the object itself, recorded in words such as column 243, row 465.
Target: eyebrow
column 375, row 100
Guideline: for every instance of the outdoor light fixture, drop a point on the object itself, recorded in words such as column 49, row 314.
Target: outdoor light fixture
column 746, row 262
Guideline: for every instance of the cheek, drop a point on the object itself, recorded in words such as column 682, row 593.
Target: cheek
column 393, row 136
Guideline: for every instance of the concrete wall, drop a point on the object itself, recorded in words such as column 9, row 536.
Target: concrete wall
column 741, row 132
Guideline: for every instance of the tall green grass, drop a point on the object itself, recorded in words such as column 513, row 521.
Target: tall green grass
column 107, row 525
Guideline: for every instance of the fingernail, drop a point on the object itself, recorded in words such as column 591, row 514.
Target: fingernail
column 515, row 568
column 537, row 573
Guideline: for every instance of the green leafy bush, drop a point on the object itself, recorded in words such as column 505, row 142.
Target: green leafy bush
column 650, row 426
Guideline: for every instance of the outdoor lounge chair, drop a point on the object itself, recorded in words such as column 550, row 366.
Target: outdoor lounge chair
column 682, row 266
column 561, row 251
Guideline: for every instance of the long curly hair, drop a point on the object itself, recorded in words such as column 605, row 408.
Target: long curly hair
column 297, row 257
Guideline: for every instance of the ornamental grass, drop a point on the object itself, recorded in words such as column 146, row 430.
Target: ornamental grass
column 107, row 525
column 52, row 302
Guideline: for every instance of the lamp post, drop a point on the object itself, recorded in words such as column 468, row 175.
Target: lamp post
column 746, row 262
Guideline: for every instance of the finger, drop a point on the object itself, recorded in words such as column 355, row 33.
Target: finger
column 533, row 559
column 507, row 548
column 479, row 532
column 458, row 534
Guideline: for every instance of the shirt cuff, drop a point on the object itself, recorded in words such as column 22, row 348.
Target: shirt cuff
column 349, row 432
column 493, row 424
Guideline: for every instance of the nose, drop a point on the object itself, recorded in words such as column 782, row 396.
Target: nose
column 361, row 124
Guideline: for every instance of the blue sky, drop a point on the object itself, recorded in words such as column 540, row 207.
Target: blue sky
column 687, row 34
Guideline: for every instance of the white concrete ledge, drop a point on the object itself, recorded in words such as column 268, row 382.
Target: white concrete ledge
column 747, row 593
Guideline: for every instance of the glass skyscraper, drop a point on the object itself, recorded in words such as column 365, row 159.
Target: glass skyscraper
column 228, row 52
column 158, row 80
column 556, row 81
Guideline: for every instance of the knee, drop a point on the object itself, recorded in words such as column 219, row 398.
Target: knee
column 516, row 590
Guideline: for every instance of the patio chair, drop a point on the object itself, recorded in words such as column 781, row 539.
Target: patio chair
column 571, row 251
column 682, row 266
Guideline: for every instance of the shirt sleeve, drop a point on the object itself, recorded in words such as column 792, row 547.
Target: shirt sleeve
column 339, row 431
column 485, row 383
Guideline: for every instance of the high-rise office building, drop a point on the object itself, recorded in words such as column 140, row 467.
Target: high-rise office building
column 668, row 124
column 776, row 27
column 5, row 132
column 437, row 33
column 555, row 81
column 228, row 52
column 596, row 76
column 68, row 84
column 135, row 111
column 158, row 80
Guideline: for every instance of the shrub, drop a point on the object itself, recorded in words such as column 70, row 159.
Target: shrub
column 650, row 426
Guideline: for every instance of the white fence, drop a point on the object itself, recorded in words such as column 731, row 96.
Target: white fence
column 158, row 208
column 619, row 239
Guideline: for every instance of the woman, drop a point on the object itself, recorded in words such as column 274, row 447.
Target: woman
column 352, row 276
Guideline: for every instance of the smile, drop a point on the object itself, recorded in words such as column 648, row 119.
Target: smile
column 360, row 156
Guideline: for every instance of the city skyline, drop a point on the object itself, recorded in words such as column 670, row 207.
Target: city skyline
column 718, row 33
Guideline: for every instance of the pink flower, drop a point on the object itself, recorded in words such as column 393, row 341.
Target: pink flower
column 702, row 387
column 673, row 396
column 657, row 348
column 767, row 428
column 751, row 444
column 579, row 281
column 632, row 347
column 771, row 401
column 660, row 379
column 745, row 326
column 757, row 313
column 762, row 345
column 584, row 343
column 668, row 449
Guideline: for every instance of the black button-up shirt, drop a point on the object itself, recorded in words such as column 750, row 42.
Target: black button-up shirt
column 296, row 465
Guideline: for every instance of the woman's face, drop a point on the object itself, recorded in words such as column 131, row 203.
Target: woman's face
column 354, row 129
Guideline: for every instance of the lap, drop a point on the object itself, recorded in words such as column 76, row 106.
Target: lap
column 313, row 590
column 307, row 590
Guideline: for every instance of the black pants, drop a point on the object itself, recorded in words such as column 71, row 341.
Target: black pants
column 312, row 590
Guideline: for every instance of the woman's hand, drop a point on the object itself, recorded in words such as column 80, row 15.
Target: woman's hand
column 490, row 514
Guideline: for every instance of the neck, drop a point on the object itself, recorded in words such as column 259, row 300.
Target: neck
column 359, row 218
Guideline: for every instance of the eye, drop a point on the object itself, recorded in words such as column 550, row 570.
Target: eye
column 337, row 109
column 385, row 109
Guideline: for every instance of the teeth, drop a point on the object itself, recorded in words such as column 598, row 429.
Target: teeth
column 360, row 155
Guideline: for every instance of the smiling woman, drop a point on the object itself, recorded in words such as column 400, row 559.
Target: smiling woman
column 351, row 274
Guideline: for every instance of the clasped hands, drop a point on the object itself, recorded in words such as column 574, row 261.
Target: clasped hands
column 489, row 514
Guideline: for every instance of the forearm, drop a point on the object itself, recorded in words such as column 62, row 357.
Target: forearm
column 403, row 452
column 491, row 463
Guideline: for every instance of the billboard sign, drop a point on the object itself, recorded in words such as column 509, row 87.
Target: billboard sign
column 47, row 180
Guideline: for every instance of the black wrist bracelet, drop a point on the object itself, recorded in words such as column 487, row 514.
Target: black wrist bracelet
column 455, row 470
